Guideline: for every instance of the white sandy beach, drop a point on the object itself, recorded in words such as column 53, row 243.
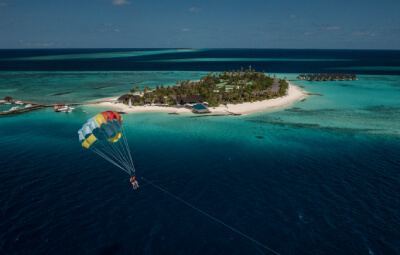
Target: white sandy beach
column 294, row 94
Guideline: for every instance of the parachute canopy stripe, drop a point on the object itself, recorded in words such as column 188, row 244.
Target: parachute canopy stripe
column 99, row 119
column 115, row 138
column 91, row 139
column 106, row 116
column 92, row 123
column 112, row 115
column 86, row 130
column 115, row 115
column 108, row 125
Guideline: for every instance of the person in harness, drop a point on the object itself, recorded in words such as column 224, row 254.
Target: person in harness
column 134, row 182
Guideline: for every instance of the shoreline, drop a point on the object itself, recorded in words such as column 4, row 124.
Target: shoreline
column 294, row 94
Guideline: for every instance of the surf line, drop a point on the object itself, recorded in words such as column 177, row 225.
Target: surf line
column 211, row 217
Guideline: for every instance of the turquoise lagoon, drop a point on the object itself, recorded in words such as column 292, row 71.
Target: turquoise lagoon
column 319, row 176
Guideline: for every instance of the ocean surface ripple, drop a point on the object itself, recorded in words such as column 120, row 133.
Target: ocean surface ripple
column 321, row 176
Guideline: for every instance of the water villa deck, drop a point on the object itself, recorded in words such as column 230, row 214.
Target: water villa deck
column 328, row 77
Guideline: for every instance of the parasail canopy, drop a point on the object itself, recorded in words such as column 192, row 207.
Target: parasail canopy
column 104, row 134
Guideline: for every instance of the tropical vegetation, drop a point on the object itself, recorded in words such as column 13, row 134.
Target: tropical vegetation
column 231, row 87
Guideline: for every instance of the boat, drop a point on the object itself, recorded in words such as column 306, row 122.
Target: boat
column 19, row 103
column 13, row 109
column 65, row 108
column 28, row 105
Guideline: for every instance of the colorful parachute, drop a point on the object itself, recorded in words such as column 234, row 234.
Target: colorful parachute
column 104, row 135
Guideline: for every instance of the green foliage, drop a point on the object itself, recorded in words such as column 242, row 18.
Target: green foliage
column 238, row 86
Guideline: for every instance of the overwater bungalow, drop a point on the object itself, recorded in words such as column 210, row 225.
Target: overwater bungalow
column 327, row 77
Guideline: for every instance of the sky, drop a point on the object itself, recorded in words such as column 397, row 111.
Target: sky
column 296, row 24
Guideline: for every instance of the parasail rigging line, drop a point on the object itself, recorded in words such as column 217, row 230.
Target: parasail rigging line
column 113, row 155
column 118, row 153
column 108, row 159
column 95, row 150
column 109, row 153
column 211, row 217
column 125, row 150
column 129, row 151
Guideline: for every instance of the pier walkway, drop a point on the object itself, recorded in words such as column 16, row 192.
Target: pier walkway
column 35, row 106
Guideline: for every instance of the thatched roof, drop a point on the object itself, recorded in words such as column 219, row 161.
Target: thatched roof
column 122, row 98
column 193, row 99
column 7, row 98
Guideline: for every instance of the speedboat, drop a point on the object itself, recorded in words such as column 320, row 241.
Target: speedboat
column 63, row 109
column 28, row 105
column 14, row 108
column 19, row 103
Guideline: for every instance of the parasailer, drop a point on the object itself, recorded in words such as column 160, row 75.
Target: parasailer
column 104, row 134
column 134, row 182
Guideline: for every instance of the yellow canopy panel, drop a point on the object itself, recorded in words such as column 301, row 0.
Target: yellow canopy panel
column 91, row 139
column 99, row 119
column 115, row 138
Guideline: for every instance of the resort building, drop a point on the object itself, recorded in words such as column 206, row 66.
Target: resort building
column 8, row 99
column 135, row 99
column 122, row 98
column 190, row 99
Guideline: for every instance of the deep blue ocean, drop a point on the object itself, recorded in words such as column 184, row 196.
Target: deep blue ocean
column 321, row 176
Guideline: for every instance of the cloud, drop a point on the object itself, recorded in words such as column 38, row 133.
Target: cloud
column 107, row 28
column 37, row 44
column 292, row 16
column 358, row 33
column 193, row 9
column 331, row 28
column 120, row 2
column 185, row 29
column 3, row 4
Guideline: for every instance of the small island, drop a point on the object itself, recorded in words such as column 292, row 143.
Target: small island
column 227, row 92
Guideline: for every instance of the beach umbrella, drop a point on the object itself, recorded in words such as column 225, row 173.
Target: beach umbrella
column 104, row 134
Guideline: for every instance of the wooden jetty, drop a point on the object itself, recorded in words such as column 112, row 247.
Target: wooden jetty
column 63, row 93
column 232, row 113
column 35, row 106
